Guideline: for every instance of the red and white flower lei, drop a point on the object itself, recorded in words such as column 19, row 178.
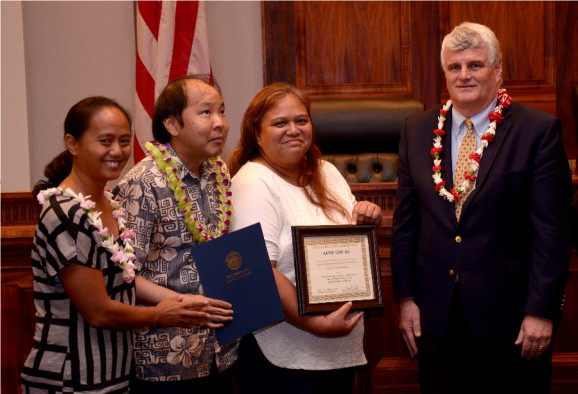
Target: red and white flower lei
column 475, row 158
column 122, row 255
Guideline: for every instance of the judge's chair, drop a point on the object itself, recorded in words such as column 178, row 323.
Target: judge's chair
column 361, row 136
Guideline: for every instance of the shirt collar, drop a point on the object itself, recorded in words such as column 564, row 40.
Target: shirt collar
column 206, row 167
column 480, row 120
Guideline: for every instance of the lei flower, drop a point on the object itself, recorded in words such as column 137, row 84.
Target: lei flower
column 122, row 255
column 168, row 167
column 475, row 158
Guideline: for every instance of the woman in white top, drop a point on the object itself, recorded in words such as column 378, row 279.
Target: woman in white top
column 281, row 181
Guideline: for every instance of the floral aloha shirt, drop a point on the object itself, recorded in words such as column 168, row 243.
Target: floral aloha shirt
column 162, row 246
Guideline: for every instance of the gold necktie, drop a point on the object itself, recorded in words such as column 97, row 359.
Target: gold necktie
column 463, row 164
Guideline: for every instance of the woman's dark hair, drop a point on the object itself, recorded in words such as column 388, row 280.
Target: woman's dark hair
column 172, row 102
column 248, row 148
column 76, row 123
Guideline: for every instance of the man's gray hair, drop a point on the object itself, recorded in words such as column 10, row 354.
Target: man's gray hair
column 469, row 35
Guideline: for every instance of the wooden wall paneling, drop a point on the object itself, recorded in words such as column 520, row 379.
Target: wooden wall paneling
column 565, row 373
column 353, row 48
column 17, row 324
column 425, row 46
column 19, row 217
column 566, row 338
column 567, row 71
column 525, row 31
column 396, row 375
column 279, row 42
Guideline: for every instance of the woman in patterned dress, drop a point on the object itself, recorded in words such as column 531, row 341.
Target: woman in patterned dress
column 82, row 262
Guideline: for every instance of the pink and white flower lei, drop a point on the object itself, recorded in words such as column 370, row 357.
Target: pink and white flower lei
column 122, row 255
column 475, row 158
column 168, row 167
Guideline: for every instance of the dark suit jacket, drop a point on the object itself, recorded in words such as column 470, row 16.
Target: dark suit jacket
column 513, row 250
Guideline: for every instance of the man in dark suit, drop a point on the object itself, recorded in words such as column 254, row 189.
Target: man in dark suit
column 479, row 261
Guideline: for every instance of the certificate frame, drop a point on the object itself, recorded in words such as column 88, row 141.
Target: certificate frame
column 336, row 264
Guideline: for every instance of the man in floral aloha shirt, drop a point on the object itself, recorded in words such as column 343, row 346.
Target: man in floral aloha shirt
column 190, row 123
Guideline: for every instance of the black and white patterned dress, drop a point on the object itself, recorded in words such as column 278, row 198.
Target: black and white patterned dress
column 68, row 354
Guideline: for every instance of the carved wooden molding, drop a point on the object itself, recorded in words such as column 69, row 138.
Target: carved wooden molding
column 19, row 208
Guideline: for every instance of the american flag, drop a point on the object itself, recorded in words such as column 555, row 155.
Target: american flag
column 171, row 42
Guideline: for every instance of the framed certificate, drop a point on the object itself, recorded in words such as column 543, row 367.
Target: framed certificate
column 336, row 264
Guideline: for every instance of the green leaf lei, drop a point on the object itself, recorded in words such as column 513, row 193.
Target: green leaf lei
column 168, row 167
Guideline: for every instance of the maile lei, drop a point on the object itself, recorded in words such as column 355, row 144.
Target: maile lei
column 121, row 254
column 504, row 101
column 168, row 167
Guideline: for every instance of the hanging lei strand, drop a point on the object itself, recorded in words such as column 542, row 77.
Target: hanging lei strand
column 475, row 158
column 122, row 255
column 167, row 166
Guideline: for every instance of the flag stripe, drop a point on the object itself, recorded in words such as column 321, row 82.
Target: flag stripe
column 149, row 12
column 165, row 46
column 200, row 52
column 146, row 45
column 184, row 32
column 171, row 42
column 145, row 88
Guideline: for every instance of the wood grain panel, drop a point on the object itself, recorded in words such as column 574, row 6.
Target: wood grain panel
column 279, row 42
column 354, row 49
column 17, row 325
column 425, row 42
column 566, row 339
column 566, row 18
column 360, row 45
column 19, row 217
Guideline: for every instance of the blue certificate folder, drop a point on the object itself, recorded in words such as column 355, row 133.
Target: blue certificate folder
column 236, row 268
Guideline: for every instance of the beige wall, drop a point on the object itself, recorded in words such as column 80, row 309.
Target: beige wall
column 16, row 158
column 60, row 52
column 236, row 57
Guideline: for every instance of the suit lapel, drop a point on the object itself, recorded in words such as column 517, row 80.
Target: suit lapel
column 447, row 173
